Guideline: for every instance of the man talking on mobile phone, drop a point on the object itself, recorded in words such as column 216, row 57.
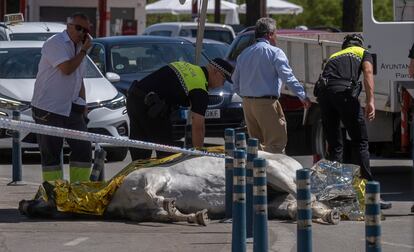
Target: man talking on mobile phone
column 59, row 99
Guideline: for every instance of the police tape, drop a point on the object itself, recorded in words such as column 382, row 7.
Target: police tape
column 24, row 126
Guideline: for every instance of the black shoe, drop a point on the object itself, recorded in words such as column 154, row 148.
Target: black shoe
column 385, row 204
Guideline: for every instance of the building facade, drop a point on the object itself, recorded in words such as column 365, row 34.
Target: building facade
column 108, row 17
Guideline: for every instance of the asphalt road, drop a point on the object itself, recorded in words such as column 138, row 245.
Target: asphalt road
column 17, row 233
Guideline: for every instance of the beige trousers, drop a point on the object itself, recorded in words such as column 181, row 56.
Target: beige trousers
column 266, row 121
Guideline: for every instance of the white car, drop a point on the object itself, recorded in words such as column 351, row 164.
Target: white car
column 219, row 32
column 14, row 28
column 19, row 65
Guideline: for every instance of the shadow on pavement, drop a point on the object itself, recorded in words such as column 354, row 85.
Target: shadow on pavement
column 397, row 183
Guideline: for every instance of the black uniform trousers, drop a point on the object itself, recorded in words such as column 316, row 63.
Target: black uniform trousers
column 145, row 128
column 51, row 147
column 341, row 106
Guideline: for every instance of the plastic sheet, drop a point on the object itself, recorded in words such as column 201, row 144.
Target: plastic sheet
column 339, row 186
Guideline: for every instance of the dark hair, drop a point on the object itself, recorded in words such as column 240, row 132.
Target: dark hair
column 264, row 26
column 79, row 15
column 353, row 40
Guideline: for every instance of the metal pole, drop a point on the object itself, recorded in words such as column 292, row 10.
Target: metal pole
column 252, row 149
column 199, row 45
column 304, row 215
column 372, row 217
column 200, row 31
column 239, row 202
column 229, row 149
column 16, row 154
column 260, row 240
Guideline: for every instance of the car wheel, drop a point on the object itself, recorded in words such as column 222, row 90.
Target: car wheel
column 116, row 154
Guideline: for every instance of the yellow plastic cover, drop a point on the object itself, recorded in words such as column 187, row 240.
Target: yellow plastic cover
column 93, row 197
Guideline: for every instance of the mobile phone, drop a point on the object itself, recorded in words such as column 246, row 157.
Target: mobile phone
column 87, row 35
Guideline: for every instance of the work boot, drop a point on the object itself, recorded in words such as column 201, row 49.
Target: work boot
column 385, row 204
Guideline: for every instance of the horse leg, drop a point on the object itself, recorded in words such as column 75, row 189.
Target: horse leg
column 200, row 217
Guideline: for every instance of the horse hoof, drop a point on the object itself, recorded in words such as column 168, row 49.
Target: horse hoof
column 332, row 217
column 292, row 210
column 202, row 217
column 169, row 206
column 23, row 206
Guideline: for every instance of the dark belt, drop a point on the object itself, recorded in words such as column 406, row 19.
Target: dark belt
column 272, row 97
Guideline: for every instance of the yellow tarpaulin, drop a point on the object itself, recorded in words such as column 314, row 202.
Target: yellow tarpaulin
column 93, row 197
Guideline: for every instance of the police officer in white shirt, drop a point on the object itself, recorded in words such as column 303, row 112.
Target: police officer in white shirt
column 59, row 98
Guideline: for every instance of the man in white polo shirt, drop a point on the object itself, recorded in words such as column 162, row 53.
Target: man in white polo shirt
column 59, row 98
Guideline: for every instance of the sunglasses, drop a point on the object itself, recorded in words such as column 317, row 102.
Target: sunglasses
column 79, row 28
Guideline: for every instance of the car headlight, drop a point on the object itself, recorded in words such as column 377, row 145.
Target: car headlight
column 12, row 104
column 118, row 102
column 236, row 98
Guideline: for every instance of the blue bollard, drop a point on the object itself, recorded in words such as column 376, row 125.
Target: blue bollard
column 304, row 214
column 16, row 153
column 229, row 146
column 238, row 243
column 260, row 240
column 241, row 141
column 252, row 149
column 372, row 217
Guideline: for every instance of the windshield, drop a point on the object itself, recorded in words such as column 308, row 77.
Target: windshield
column 240, row 44
column 22, row 63
column 146, row 58
column 215, row 50
column 219, row 35
column 31, row 36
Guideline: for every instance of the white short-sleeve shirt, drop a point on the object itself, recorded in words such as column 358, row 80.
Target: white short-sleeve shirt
column 55, row 91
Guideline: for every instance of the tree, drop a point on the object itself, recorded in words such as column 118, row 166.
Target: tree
column 351, row 15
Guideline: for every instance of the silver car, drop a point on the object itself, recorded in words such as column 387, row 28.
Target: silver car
column 14, row 28
column 19, row 65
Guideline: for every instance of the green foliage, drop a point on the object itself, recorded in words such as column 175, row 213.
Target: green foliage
column 383, row 10
column 315, row 13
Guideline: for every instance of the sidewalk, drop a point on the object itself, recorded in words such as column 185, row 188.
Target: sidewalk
column 18, row 233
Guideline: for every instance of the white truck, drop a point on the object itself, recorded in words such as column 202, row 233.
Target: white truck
column 389, row 42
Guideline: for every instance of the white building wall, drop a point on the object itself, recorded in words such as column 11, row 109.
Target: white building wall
column 138, row 5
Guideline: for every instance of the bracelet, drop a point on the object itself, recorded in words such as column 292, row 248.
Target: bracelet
column 84, row 51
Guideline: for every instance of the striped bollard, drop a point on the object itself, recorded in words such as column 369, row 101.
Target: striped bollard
column 252, row 149
column 16, row 154
column 260, row 240
column 229, row 146
column 372, row 217
column 239, row 202
column 241, row 141
column 304, row 214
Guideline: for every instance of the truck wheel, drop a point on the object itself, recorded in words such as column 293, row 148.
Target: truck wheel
column 318, row 139
column 116, row 154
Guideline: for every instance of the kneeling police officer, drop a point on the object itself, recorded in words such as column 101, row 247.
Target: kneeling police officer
column 151, row 100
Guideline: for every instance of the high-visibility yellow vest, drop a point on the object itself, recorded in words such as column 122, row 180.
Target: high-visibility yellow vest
column 190, row 76
column 354, row 51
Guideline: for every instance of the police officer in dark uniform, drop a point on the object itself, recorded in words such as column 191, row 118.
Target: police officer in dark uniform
column 151, row 100
column 338, row 101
